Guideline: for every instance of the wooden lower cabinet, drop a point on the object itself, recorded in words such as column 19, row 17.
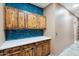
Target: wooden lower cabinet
column 41, row 48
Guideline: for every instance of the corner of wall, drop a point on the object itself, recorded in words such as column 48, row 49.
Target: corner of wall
column 2, row 33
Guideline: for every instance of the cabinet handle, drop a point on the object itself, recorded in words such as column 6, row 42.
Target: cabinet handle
column 56, row 34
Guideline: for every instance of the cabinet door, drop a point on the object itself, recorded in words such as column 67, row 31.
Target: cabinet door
column 20, row 19
column 38, row 51
column 11, row 18
column 28, row 52
column 42, row 22
column 46, row 48
column 42, row 48
column 1, row 52
column 32, row 21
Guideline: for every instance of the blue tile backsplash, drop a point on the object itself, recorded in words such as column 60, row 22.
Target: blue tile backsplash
column 24, row 33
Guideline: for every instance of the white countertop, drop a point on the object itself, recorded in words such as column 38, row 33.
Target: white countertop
column 14, row 43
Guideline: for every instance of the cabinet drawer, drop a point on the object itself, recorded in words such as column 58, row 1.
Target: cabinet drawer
column 28, row 46
column 38, row 43
column 42, row 42
column 18, row 53
column 11, row 50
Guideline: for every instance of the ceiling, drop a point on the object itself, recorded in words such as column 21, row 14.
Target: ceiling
column 42, row 5
column 72, row 7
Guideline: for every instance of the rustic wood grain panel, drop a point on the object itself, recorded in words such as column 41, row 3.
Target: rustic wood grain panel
column 1, row 52
column 18, row 53
column 21, row 17
column 42, row 22
column 38, row 50
column 46, row 48
column 11, row 50
column 26, row 20
column 10, row 17
column 28, row 52
column 32, row 21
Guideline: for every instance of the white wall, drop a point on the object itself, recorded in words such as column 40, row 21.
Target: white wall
column 75, row 30
column 64, row 27
column 50, row 29
column 2, row 35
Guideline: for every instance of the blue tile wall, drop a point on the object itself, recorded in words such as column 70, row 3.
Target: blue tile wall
column 27, row 7
column 24, row 33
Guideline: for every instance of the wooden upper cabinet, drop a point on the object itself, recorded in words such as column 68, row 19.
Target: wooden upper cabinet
column 42, row 22
column 32, row 21
column 10, row 18
column 21, row 19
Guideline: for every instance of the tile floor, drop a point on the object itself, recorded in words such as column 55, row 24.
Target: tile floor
column 73, row 50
